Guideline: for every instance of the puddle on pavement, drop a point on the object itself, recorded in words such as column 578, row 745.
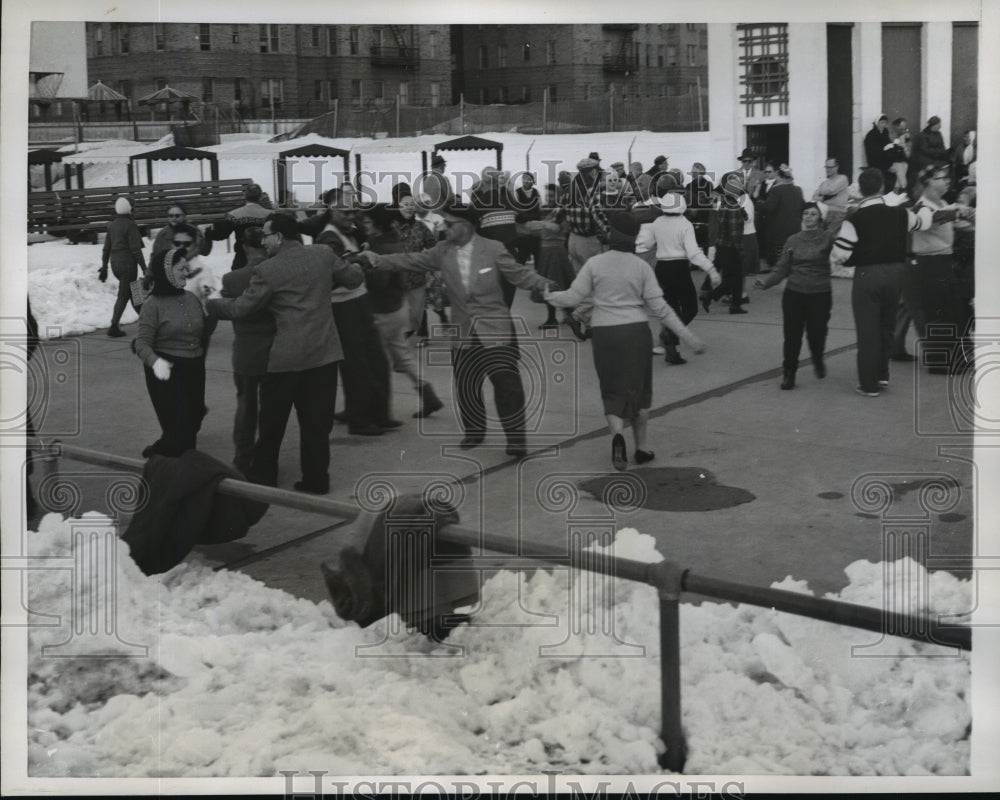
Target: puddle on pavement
column 830, row 495
column 676, row 489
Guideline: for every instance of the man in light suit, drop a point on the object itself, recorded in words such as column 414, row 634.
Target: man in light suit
column 471, row 267
column 294, row 284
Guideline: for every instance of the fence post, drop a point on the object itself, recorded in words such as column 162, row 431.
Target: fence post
column 611, row 108
column 667, row 577
column 336, row 115
column 701, row 124
column 397, row 116
column 545, row 110
column 461, row 112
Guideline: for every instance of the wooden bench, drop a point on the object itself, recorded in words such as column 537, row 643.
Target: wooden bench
column 76, row 212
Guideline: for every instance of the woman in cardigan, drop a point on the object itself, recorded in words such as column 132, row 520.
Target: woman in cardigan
column 173, row 334
column 623, row 288
column 806, row 303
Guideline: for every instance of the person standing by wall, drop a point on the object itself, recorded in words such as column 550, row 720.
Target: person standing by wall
column 928, row 148
column 783, row 212
column 123, row 251
column 832, row 193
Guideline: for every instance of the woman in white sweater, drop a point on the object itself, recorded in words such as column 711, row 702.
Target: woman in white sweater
column 672, row 236
column 623, row 290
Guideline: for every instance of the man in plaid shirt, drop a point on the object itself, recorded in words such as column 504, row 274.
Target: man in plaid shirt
column 726, row 243
column 588, row 226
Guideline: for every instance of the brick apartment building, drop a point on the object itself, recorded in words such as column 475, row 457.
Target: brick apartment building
column 299, row 70
column 518, row 63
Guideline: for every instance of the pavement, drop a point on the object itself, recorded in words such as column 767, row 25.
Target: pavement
column 750, row 483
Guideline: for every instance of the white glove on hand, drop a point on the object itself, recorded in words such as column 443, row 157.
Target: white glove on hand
column 161, row 369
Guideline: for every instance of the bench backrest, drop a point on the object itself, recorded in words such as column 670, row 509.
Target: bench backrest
column 89, row 209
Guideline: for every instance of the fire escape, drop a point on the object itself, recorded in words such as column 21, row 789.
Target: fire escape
column 400, row 55
column 625, row 61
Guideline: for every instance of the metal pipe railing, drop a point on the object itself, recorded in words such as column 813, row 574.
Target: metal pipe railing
column 670, row 581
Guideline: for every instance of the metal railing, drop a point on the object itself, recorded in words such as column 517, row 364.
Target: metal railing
column 669, row 579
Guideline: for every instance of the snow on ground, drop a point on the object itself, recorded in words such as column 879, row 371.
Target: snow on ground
column 244, row 680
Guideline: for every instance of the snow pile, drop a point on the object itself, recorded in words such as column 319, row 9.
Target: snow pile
column 243, row 680
column 67, row 298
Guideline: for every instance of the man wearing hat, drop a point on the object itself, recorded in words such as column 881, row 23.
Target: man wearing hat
column 619, row 170
column 752, row 176
column 435, row 186
column 588, row 225
column 927, row 148
column 250, row 215
column 472, row 268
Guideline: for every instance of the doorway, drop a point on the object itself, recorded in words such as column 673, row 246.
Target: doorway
column 769, row 142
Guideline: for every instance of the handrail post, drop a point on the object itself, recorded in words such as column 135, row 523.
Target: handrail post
column 667, row 577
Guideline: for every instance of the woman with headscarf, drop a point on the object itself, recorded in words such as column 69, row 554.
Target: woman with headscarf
column 171, row 342
column 927, row 149
column 123, row 250
column 623, row 290
column 783, row 211
column 672, row 237
column 806, row 303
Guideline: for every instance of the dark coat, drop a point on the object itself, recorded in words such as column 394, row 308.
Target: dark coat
column 183, row 510
column 927, row 148
column 876, row 154
column 782, row 213
column 253, row 334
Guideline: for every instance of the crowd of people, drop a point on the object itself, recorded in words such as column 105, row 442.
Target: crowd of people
column 610, row 247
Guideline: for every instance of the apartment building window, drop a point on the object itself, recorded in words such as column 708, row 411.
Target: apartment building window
column 272, row 92
column 99, row 40
column 159, row 37
column 317, row 90
column 205, row 37
column 526, row 51
column 649, row 55
column 659, row 55
column 207, row 90
column 763, row 64
column 435, row 93
column 161, row 83
column 355, row 35
column 671, row 55
column 526, row 94
column 269, row 38
column 483, row 97
column 404, row 92
column 356, row 91
column 692, row 26
column 378, row 89
column 586, row 91
column 120, row 34
column 238, row 90
column 552, row 93
column 484, row 56
column 501, row 55
column 331, row 40
column 235, row 34
column 433, row 37
column 692, row 51
column 315, row 35
column 501, row 94
column 550, row 52
column 125, row 87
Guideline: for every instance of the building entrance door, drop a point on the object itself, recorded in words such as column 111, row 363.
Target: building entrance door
column 769, row 142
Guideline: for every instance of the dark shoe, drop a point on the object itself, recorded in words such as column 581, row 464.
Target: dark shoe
column 883, row 384
column 517, row 450
column 302, row 486
column 706, row 300
column 644, row 456
column 904, row 356
column 429, row 402
column 619, row 456
column 859, row 390
column 341, row 416
column 115, row 332
column 788, row 379
column 577, row 327
column 737, row 310
column 470, row 441
column 819, row 367
column 366, row 430
column 548, row 325
column 389, row 424
column 745, row 300
column 672, row 356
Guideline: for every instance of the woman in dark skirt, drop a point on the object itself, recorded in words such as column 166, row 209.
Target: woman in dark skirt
column 624, row 290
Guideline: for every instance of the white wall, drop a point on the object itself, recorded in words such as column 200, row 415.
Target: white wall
column 726, row 134
column 866, row 50
column 807, row 107
column 935, row 76
column 61, row 47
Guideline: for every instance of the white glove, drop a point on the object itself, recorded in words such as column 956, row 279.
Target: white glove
column 161, row 369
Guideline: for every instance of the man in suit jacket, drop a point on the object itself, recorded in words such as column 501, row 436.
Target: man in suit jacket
column 294, row 284
column 752, row 176
column 471, row 267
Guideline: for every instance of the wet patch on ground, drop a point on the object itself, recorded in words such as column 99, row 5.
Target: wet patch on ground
column 830, row 495
column 675, row 489
column 952, row 517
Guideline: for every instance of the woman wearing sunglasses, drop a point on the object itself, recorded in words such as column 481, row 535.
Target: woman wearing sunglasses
column 176, row 216
column 172, row 339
